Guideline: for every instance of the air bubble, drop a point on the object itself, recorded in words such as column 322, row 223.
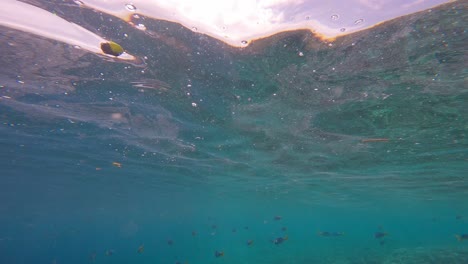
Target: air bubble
column 335, row 17
column 307, row 17
column 78, row 2
column 359, row 21
column 140, row 27
column 244, row 42
column 130, row 7
column 342, row 29
column 194, row 29
column 301, row 54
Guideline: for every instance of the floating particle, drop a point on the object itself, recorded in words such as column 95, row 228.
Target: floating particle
column 112, row 48
column 116, row 116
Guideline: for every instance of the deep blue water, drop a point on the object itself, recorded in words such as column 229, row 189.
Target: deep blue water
column 200, row 148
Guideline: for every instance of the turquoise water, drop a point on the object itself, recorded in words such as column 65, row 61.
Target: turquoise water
column 200, row 149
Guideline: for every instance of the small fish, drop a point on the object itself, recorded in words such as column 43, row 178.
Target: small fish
column 380, row 235
column 249, row 242
column 458, row 217
column 330, row 234
column 246, row 227
column 109, row 252
column 194, row 233
column 234, row 230
column 277, row 217
column 219, row 254
column 462, row 237
column 214, row 226
column 280, row 240
column 92, row 257
column 141, row 248
column 170, row 242
column 284, row 228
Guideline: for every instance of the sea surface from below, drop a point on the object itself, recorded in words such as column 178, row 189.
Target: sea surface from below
column 291, row 150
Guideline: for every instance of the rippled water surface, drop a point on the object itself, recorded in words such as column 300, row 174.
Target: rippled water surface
column 199, row 147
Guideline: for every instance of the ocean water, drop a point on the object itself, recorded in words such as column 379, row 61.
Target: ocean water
column 204, row 147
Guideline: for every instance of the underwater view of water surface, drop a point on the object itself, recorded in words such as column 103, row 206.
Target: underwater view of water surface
column 293, row 148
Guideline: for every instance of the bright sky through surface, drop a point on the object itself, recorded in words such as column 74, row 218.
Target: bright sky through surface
column 238, row 21
column 235, row 22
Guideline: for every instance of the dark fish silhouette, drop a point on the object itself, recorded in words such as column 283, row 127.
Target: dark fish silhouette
column 330, row 234
column 279, row 240
column 380, row 235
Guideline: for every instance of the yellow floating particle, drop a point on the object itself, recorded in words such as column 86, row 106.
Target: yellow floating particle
column 112, row 48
